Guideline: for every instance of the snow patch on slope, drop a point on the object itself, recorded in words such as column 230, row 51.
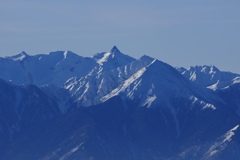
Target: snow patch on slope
column 18, row 57
column 104, row 59
column 221, row 144
column 124, row 85
column 151, row 97
column 68, row 154
column 204, row 104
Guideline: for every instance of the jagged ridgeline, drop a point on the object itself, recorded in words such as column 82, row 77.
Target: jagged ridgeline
column 114, row 107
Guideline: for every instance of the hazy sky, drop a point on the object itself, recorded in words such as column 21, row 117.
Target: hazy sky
column 181, row 33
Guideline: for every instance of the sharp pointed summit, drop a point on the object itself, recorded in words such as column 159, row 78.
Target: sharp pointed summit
column 115, row 50
column 23, row 53
column 112, row 59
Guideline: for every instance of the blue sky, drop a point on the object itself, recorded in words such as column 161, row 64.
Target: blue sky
column 181, row 33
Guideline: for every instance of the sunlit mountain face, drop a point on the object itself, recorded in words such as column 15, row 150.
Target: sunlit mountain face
column 62, row 106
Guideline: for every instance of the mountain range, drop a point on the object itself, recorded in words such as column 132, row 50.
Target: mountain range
column 114, row 107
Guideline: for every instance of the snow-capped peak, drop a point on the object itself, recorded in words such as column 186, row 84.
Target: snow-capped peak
column 208, row 76
column 106, row 56
column 19, row 57
column 209, row 69
column 112, row 59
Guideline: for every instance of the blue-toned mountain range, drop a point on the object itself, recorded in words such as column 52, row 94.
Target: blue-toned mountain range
column 62, row 106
